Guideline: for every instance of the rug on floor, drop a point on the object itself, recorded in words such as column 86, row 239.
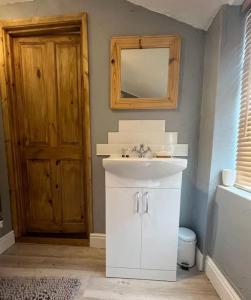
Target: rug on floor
column 38, row 288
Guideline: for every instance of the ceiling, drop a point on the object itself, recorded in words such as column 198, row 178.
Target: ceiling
column 198, row 13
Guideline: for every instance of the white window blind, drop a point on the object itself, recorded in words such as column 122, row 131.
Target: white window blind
column 244, row 138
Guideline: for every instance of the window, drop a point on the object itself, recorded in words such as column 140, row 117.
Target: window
column 244, row 138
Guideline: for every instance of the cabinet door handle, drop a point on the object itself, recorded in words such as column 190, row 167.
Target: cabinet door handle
column 137, row 203
column 146, row 195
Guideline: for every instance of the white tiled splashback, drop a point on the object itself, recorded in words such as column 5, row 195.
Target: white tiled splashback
column 142, row 125
column 150, row 132
column 135, row 137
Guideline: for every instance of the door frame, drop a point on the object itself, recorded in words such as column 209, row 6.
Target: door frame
column 30, row 27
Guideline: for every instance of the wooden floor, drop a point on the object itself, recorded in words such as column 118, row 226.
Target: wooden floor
column 89, row 266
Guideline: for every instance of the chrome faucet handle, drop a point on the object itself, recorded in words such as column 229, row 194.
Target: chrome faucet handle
column 145, row 148
column 141, row 150
column 136, row 149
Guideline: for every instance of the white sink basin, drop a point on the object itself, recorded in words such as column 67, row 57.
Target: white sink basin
column 144, row 168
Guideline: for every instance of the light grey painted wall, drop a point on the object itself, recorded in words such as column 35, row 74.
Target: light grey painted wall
column 211, row 62
column 230, row 247
column 228, row 234
column 118, row 17
column 228, row 101
column 219, row 114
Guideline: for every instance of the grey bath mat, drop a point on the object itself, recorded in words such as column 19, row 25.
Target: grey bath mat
column 37, row 288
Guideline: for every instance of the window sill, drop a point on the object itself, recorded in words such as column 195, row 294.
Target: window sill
column 236, row 191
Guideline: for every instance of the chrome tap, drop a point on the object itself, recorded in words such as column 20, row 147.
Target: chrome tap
column 141, row 150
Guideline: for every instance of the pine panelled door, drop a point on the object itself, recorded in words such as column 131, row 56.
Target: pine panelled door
column 47, row 121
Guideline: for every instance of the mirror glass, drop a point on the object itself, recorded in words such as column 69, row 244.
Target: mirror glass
column 144, row 73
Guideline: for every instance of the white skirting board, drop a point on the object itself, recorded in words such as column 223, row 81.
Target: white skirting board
column 219, row 281
column 97, row 240
column 7, row 241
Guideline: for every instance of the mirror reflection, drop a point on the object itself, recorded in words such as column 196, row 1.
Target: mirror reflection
column 144, row 73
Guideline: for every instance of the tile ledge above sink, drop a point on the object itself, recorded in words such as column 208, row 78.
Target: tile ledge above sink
column 178, row 150
column 149, row 132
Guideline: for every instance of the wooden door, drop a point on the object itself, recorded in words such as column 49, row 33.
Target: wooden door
column 123, row 228
column 49, row 109
column 160, row 225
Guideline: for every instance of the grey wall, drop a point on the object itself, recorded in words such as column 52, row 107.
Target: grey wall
column 231, row 244
column 118, row 17
column 228, row 101
column 219, row 113
column 211, row 62
column 228, row 239
column 4, row 186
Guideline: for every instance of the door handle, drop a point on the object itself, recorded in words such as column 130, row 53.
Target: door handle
column 137, row 201
column 146, row 196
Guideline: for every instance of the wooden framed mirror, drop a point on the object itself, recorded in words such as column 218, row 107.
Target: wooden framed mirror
column 144, row 72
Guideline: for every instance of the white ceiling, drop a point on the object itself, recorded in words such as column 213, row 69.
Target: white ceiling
column 198, row 13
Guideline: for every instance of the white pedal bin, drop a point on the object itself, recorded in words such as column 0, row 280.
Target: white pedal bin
column 186, row 247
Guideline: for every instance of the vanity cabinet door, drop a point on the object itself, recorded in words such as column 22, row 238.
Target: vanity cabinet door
column 160, row 224
column 123, row 227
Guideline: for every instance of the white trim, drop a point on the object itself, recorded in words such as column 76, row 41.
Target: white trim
column 238, row 191
column 97, row 240
column 7, row 241
column 219, row 281
column 199, row 259
column 243, row 188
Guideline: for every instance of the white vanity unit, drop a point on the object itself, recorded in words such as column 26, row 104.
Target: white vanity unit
column 142, row 216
